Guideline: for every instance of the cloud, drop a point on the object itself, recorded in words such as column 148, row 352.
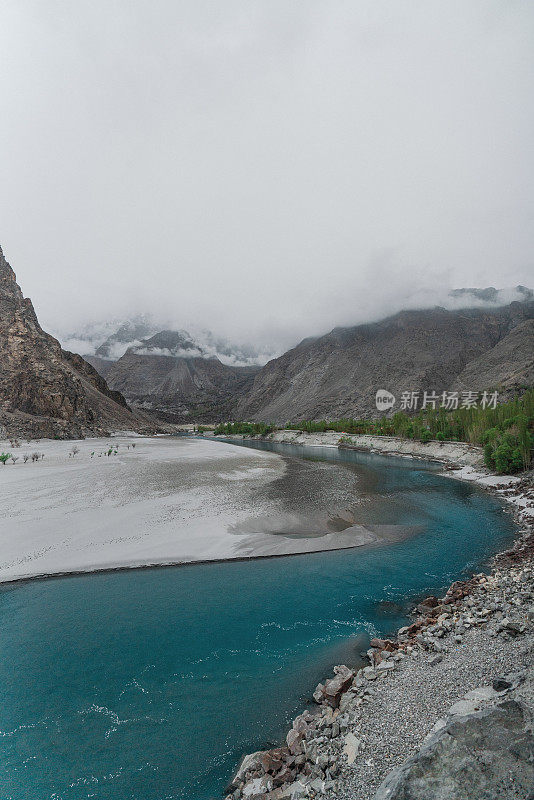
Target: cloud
column 264, row 169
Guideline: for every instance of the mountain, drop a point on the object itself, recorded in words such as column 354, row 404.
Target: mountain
column 45, row 390
column 174, row 376
column 491, row 295
column 509, row 365
column 338, row 374
column 129, row 332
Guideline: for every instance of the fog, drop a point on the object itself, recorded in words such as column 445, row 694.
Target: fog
column 267, row 170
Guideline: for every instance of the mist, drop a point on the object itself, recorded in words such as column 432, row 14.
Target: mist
column 264, row 170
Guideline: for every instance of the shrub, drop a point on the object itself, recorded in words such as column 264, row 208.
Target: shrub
column 426, row 436
column 440, row 436
column 489, row 457
column 508, row 459
column 4, row 457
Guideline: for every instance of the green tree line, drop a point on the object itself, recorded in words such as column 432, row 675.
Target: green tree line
column 506, row 432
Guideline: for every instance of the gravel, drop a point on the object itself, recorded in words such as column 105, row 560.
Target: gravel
column 392, row 725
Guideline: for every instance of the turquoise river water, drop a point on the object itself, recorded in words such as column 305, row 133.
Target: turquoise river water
column 150, row 684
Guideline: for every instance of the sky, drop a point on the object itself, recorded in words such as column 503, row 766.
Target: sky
column 268, row 170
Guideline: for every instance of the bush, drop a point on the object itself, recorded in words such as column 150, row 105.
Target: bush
column 440, row 436
column 4, row 457
column 489, row 457
column 243, row 429
column 507, row 458
column 426, row 436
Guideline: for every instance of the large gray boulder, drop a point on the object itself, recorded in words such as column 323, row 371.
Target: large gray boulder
column 487, row 755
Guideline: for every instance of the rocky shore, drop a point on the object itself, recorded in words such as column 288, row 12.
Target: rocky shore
column 442, row 710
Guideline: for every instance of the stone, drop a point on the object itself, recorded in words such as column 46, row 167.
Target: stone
column 385, row 666
column 444, row 768
column 512, row 626
column 501, row 684
column 433, row 660
column 481, row 693
column 294, row 742
column 463, row 707
column 383, row 644
column 318, row 694
column 249, row 763
column 334, row 688
column 286, row 775
column 351, row 747
column 257, row 787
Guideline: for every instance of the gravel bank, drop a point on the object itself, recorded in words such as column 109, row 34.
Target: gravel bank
column 406, row 704
column 371, row 721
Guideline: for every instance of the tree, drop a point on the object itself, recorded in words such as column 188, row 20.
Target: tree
column 4, row 457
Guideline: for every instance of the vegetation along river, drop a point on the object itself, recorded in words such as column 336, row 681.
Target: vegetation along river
column 150, row 684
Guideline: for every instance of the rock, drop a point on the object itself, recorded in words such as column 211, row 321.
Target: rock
column 385, row 666
column 481, row 693
column 317, row 785
column 512, row 626
column 433, row 660
column 351, row 747
column 293, row 791
column 257, row 787
column 501, row 684
column 463, row 707
column 249, row 763
column 334, row 688
column 294, row 742
column 445, row 768
column 318, row 694
column 383, row 644
column 286, row 775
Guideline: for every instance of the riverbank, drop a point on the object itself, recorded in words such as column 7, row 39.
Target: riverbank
column 433, row 677
column 453, row 453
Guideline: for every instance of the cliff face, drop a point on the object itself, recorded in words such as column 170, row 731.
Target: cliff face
column 338, row 375
column 44, row 390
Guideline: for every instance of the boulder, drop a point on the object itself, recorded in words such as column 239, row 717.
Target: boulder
column 334, row 688
column 257, row 788
column 351, row 747
column 383, row 644
column 294, row 741
column 488, row 754
column 250, row 763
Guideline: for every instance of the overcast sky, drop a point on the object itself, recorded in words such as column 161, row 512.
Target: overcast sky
column 267, row 169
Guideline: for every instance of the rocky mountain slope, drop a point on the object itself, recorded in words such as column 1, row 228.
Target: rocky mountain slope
column 45, row 390
column 172, row 375
column 338, row 375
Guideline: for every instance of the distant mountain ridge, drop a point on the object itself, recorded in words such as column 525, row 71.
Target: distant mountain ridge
column 174, row 376
column 478, row 344
column 338, row 375
column 110, row 340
